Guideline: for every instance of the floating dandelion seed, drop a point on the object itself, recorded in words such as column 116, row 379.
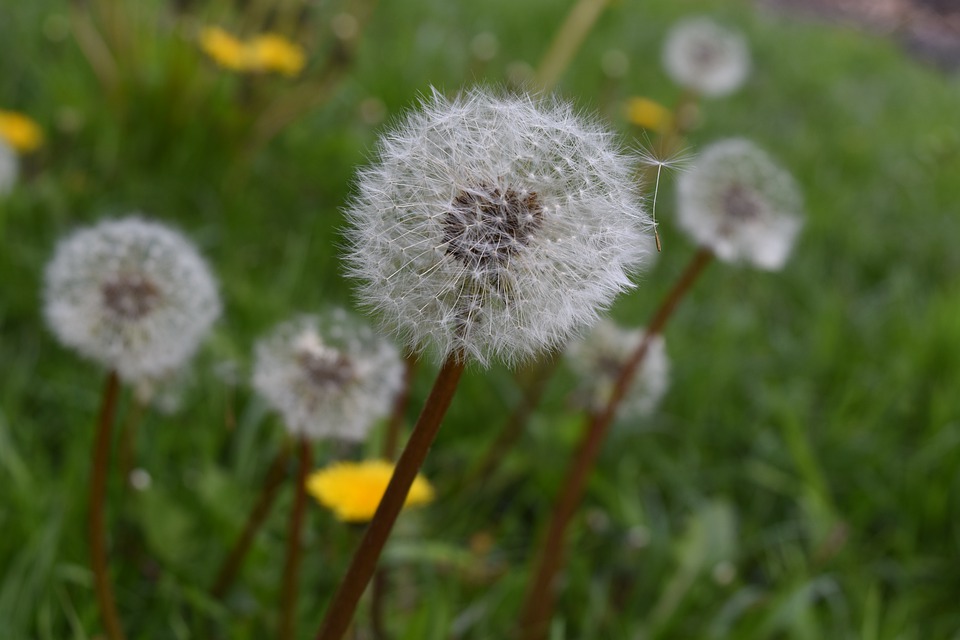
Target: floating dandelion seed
column 352, row 490
column 706, row 58
column 327, row 375
column 9, row 167
column 598, row 358
column 131, row 294
column 740, row 204
column 495, row 226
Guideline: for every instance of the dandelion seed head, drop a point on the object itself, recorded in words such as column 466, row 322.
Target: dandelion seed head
column 9, row 167
column 328, row 376
column 494, row 226
column 740, row 204
column 132, row 295
column 598, row 358
column 704, row 57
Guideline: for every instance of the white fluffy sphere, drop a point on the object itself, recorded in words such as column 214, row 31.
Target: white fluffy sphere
column 495, row 226
column 704, row 57
column 131, row 294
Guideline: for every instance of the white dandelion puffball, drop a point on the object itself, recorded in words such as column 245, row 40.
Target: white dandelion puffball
column 740, row 204
column 328, row 375
column 598, row 358
column 494, row 226
column 704, row 57
column 131, row 294
column 9, row 167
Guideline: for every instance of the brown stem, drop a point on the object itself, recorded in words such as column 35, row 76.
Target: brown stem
column 515, row 425
column 268, row 494
column 291, row 568
column 391, row 442
column 96, row 528
column 341, row 609
column 539, row 604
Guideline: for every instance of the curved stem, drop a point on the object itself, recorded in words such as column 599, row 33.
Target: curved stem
column 341, row 609
column 96, row 528
column 268, row 494
column 567, row 40
column 539, row 604
column 291, row 567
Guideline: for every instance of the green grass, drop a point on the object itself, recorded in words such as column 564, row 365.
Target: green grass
column 810, row 439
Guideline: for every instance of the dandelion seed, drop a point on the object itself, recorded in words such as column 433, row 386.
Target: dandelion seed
column 495, row 226
column 706, row 58
column 353, row 490
column 598, row 358
column 737, row 202
column 327, row 375
column 9, row 167
column 132, row 295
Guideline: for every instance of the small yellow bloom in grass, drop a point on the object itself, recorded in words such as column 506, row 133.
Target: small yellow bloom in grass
column 267, row 52
column 353, row 490
column 648, row 114
column 271, row 52
column 19, row 131
column 226, row 50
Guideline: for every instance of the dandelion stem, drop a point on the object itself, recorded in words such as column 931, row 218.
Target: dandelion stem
column 341, row 609
column 381, row 579
column 567, row 40
column 96, row 528
column 291, row 568
column 539, row 604
column 268, row 494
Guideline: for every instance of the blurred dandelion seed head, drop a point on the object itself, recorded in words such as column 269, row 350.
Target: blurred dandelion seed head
column 353, row 490
column 131, row 294
column 327, row 375
column 598, row 358
column 495, row 226
column 740, row 204
column 704, row 57
column 9, row 167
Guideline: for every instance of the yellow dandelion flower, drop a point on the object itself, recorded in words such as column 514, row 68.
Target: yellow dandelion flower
column 19, row 131
column 271, row 52
column 648, row 114
column 353, row 490
column 226, row 50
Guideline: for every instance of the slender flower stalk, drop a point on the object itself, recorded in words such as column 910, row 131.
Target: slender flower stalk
column 272, row 482
column 291, row 567
column 96, row 528
column 344, row 603
column 567, row 41
column 539, row 604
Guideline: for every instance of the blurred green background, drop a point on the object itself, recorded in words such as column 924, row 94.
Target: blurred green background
column 801, row 479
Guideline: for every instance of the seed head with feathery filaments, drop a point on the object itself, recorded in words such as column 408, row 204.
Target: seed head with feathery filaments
column 598, row 358
column 131, row 294
column 495, row 226
column 739, row 203
column 702, row 56
column 327, row 375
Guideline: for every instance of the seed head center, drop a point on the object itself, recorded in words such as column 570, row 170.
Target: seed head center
column 741, row 204
column 325, row 367
column 486, row 226
column 130, row 297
